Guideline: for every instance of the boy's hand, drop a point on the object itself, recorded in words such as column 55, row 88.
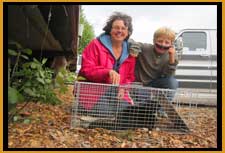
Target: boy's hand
column 134, row 48
column 171, row 53
column 133, row 53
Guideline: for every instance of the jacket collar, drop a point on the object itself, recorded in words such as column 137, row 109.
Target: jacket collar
column 106, row 41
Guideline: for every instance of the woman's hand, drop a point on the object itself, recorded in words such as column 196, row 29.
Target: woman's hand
column 121, row 93
column 114, row 77
column 124, row 94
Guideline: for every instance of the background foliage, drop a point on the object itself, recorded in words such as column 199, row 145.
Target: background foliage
column 88, row 33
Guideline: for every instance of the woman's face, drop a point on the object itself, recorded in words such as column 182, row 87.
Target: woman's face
column 162, row 44
column 119, row 31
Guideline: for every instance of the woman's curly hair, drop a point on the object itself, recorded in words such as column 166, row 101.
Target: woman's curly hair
column 119, row 16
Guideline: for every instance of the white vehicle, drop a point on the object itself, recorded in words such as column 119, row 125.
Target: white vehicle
column 197, row 50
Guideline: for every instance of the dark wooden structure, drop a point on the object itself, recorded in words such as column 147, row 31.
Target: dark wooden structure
column 49, row 30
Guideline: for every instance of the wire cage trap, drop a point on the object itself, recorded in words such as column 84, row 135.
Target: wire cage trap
column 127, row 107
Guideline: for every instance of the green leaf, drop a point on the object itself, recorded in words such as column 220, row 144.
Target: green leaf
column 41, row 80
column 38, row 95
column 28, row 84
column 44, row 97
column 27, row 51
column 25, row 57
column 70, row 79
column 48, row 80
column 33, row 65
column 11, row 42
column 59, row 80
column 41, row 74
column 35, row 60
column 60, row 74
column 15, row 118
column 26, row 121
column 14, row 96
column 63, row 89
column 12, row 52
column 44, row 61
column 34, row 90
column 63, row 70
column 29, row 92
column 80, row 78
column 26, row 65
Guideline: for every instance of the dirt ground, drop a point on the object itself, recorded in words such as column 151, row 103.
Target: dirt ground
column 50, row 127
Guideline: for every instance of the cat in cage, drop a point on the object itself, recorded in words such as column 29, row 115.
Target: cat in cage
column 142, row 115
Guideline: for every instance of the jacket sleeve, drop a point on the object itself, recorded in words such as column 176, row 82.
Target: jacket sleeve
column 134, row 47
column 90, row 68
column 130, row 77
column 171, row 68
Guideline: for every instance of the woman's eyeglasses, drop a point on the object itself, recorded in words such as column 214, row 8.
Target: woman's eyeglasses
column 162, row 47
column 120, row 28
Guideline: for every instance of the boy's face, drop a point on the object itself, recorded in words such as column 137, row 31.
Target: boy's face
column 162, row 44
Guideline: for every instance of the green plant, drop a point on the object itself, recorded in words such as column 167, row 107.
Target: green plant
column 14, row 96
column 34, row 81
column 63, row 78
column 28, row 80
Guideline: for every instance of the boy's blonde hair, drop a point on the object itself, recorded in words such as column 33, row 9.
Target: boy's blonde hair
column 164, row 31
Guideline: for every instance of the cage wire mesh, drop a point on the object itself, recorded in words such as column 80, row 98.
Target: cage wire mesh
column 99, row 106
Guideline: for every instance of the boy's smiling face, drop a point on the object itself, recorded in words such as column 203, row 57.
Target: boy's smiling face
column 162, row 44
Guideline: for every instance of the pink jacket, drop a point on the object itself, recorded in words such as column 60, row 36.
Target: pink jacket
column 98, row 60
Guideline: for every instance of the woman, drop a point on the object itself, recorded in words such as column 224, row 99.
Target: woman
column 106, row 59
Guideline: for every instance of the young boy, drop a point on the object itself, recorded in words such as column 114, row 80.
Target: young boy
column 156, row 64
